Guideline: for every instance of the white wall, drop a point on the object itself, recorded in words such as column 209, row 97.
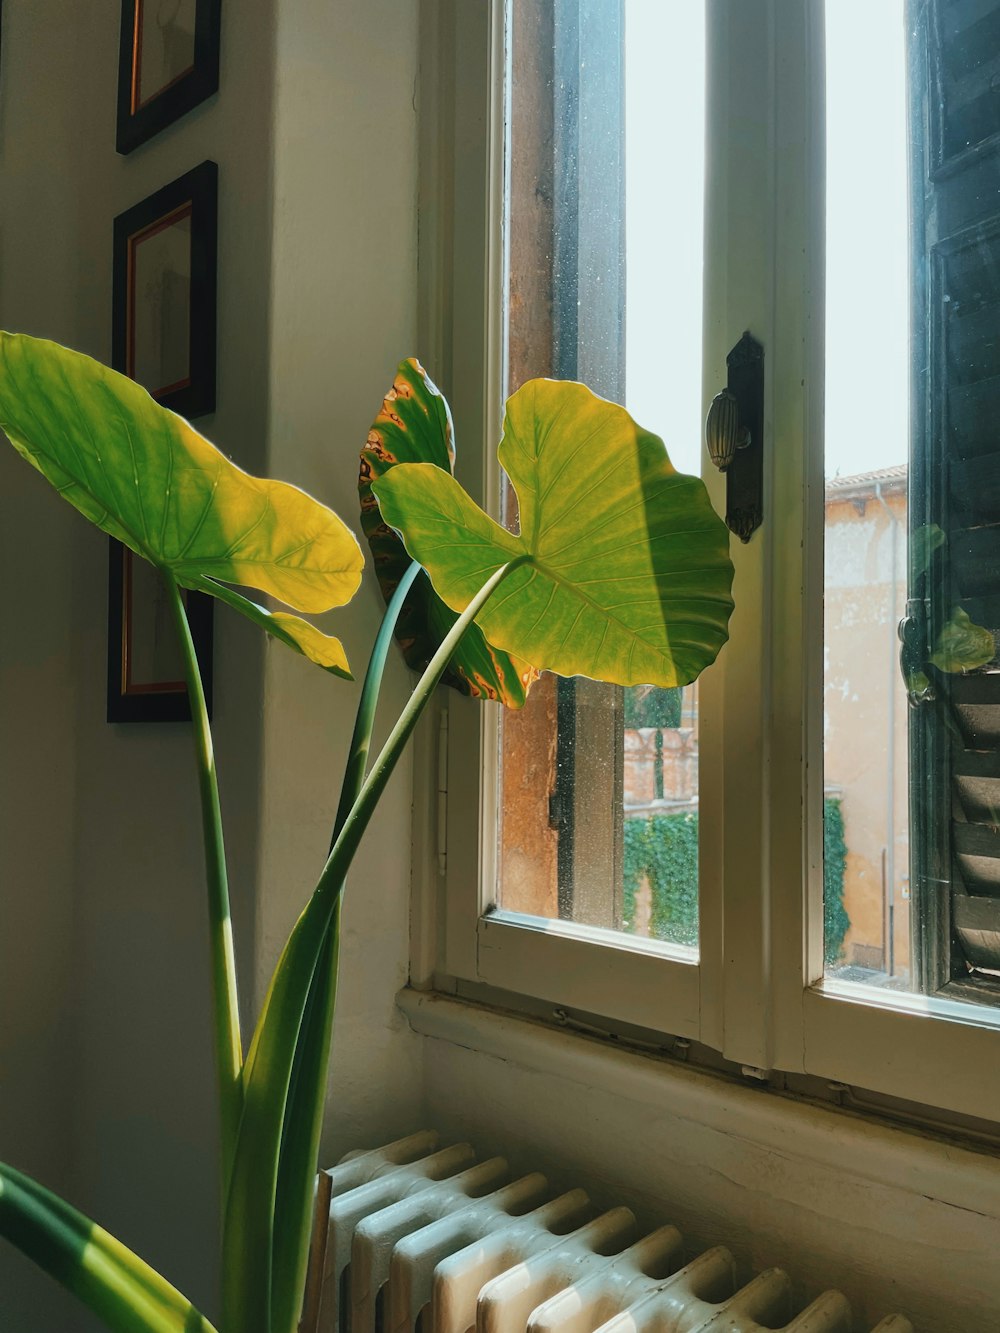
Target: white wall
column 144, row 1115
column 343, row 316
column 120, row 1114
column 896, row 1220
column 38, row 697
column 104, row 1048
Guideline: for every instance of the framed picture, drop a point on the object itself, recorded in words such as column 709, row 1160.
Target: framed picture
column 168, row 63
column 145, row 671
column 163, row 336
column 163, row 307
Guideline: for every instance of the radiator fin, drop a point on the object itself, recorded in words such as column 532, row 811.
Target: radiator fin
column 416, row 1238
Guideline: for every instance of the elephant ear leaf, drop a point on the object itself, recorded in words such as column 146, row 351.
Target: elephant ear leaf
column 624, row 572
column 415, row 426
column 145, row 476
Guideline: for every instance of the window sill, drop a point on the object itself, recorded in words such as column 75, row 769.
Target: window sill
column 791, row 1127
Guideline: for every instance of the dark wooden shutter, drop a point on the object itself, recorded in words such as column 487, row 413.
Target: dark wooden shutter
column 955, row 484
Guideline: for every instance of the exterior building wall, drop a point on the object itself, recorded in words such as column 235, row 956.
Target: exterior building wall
column 679, row 757
column 865, row 722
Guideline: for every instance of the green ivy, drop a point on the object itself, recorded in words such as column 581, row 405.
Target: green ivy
column 652, row 706
column 835, row 918
column 664, row 849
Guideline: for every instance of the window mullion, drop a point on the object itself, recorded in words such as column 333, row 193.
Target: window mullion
column 739, row 296
column 797, row 499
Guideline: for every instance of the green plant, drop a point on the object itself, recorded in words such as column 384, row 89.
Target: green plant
column 652, row 706
column 620, row 571
column 836, row 922
column 664, row 849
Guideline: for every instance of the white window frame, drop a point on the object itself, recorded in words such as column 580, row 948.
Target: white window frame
column 761, row 729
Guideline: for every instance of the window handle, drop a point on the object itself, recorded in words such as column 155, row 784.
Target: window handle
column 724, row 432
column 913, row 654
column 734, row 434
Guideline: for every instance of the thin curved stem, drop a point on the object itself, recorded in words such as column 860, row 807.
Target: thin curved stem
column 303, row 1122
column 228, row 1042
column 364, row 722
column 250, row 1218
column 350, row 835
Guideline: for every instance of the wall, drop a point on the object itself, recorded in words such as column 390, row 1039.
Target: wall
column 38, row 699
column 123, row 1121
column 865, row 714
column 898, row 1222
column 343, row 316
column 103, row 965
column 144, row 1115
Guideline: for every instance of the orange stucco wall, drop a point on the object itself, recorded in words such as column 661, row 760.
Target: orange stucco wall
column 865, row 717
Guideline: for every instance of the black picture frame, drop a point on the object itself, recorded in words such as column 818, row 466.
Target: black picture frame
column 150, row 700
column 141, row 116
column 191, row 204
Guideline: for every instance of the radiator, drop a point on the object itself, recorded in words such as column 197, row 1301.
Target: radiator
column 418, row 1238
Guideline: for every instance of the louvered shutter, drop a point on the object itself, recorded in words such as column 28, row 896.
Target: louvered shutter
column 955, row 484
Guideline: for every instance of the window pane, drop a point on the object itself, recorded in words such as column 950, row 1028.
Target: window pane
column 912, row 498
column 599, row 819
column 866, row 881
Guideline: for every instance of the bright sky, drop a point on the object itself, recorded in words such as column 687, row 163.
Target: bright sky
column 867, row 316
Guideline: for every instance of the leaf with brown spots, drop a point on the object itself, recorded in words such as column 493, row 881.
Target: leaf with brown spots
column 415, row 426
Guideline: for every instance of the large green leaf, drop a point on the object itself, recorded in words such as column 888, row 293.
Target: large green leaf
column 148, row 478
column 116, row 1284
column 415, row 426
column 626, row 573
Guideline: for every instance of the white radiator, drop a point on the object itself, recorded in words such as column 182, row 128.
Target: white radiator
column 414, row 1238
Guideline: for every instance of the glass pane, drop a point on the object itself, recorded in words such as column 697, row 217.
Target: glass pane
column 912, row 496
column 866, row 879
column 599, row 821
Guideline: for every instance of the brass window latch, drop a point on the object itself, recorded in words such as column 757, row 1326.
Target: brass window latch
column 724, row 432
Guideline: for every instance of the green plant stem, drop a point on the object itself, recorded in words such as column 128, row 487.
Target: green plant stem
column 306, row 1100
column 228, row 1042
column 350, row 835
column 250, row 1220
column 364, row 722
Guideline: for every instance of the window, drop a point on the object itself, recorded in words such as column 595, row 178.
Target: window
column 551, row 158
column 910, row 520
column 582, row 305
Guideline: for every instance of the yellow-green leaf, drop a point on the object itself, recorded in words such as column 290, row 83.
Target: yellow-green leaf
column 148, row 478
column 325, row 650
column 627, row 573
column 415, row 426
